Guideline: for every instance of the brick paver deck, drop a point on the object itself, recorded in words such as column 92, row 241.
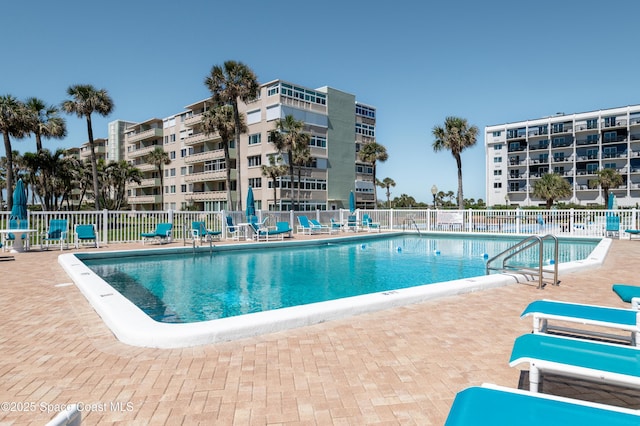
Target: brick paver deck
column 399, row 366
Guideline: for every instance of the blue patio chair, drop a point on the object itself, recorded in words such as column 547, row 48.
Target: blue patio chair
column 320, row 228
column 613, row 226
column 281, row 229
column 304, row 225
column 11, row 237
column 501, row 406
column 234, row 232
column 369, row 224
column 352, row 223
column 56, row 233
column 162, row 233
column 200, row 232
column 86, row 233
column 336, row 226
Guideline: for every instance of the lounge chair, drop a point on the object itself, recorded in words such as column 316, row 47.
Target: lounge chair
column 162, row 233
column 336, row 226
column 85, row 233
column 233, row 231
column 352, row 223
column 621, row 319
column 305, row 226
column 369, row 224
column 500, row 406
column 57, row 233
column 628, row 293
column 632, row 232
column 199, row 232
column 584, row 359
column 281, row 229
column 11, row 238
column 613, row 226
column 320, row 228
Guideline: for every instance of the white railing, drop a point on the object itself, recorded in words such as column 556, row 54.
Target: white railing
column 126, row 226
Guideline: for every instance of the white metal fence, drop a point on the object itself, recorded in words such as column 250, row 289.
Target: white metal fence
column 126, row 226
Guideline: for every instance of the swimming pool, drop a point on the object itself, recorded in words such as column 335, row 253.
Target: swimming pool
column 363, row 275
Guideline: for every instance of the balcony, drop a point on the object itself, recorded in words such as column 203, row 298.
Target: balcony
column 141, row 152
column 563, row 129
column 145, row 134
column 201, row 157
column 145, row 167
column 608, row 124
column 210, row 176
column 206, row 196
column 193, row 120
column 144, row 199
column 147, row 183
column 199, row 138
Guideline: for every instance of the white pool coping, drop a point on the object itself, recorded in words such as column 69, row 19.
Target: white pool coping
column 132, row 326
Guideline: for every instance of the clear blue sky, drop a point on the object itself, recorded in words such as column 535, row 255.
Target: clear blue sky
column 417, row 62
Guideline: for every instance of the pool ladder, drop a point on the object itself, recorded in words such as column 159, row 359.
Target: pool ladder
column 409, row 221
column 523, row 245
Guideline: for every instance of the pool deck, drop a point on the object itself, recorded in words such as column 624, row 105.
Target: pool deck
column 399, row 366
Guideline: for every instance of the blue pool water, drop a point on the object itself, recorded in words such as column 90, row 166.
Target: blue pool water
column 194, row 287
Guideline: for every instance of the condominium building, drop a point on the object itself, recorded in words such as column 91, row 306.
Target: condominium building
column 337, row 124
column 575, row 146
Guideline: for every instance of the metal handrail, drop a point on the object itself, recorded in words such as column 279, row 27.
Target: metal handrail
column 525, row 245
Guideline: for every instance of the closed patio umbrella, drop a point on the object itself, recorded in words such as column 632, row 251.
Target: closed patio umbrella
column 19, row 209
column 251, row 207
column 352, row 202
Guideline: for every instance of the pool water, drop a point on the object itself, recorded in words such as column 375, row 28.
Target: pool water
column 205, row 286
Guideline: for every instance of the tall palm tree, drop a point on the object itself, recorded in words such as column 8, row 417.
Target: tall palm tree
column 301, row 158
column 46, row 121
column 86, row 100
column 456, row 135
column 288, row 138
column 373, row 152
column 221, row 120
column 387, row 183
column 607, row 179
column 159, row 158
column 550, row 187
column 119, row 174
column 274, row 171
column 14, row 123
column 228, row 84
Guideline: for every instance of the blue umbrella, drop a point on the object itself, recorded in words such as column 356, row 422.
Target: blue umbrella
column 251, row 208
column 611, row 202
column 19, row 209
column 352, row 202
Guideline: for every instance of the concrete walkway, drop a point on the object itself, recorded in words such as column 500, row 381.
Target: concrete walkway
column 399, row 366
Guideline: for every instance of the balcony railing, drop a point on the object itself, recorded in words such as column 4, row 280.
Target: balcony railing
column 146, row 183
column 207, row 196
column 144, row 199
column 204, row 156
column 145, row 134
column 141, row 152
column 210, row 176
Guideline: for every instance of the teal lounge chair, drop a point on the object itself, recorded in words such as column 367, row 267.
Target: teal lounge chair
column 86, row 233
column 584, row 359
column 11, row 237
column 628, row 293
column 199, row 232
column 369, row 224
column 233, row 231
column 320, row 228
column 543, row 311
column 305, row 226
column 499, row 406
column 162, row 233
column 336, row 226
column 281, row 229
column 632, row 232
column 613, row 226
column 57, row 233
column 352, row 223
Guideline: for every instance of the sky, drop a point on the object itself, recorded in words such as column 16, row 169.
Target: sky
column 416, row 62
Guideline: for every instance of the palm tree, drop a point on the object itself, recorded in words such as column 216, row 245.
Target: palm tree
column 289, row 140
column 373, row 152
column 46, row 122
column 118, row 174
column 274, row 171
column 387, row 183
column 228, row 84
column 550, row 187
column 607, row 179
column 159, row 158
column 456, row 135
column 221, row 120
column 85, row 101
column 301, row 157
column 14, row 123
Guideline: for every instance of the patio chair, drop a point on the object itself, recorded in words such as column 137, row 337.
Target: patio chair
column 369, row 224
column 612, row 226
column 500, row 406
column 84, row 234
column 200, row 232
column 281, row 229
column 162, row 233
column 56, row 233
column 543, row 311
column 320, row 228
column 632, row 233
column 336, row 226
column 305, row 226
column 352, row 223
column 10, row 237
column 232, row 231
column 578, row 358
column 628, row 293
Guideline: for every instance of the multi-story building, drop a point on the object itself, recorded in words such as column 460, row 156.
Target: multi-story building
column 575, row 146
column 115, row 140
column 196, row 177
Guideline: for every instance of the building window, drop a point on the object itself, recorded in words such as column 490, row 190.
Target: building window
column 255, row 182
column 172, row 172
column 172, row 155
column 183, row 188
column 183, row 152
column 365, row 130
column 318, row 141
column 183, row 171
column 254, row 161
column 497, row 172
column 591, row 139
column 255, row 139
column 497, row 134
column 173, row 189
column 497, row 185
column 497, row 146
column 497, row 160
column 172, row 138
column 365, row 111
column 611, row 136
column 592, row 123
